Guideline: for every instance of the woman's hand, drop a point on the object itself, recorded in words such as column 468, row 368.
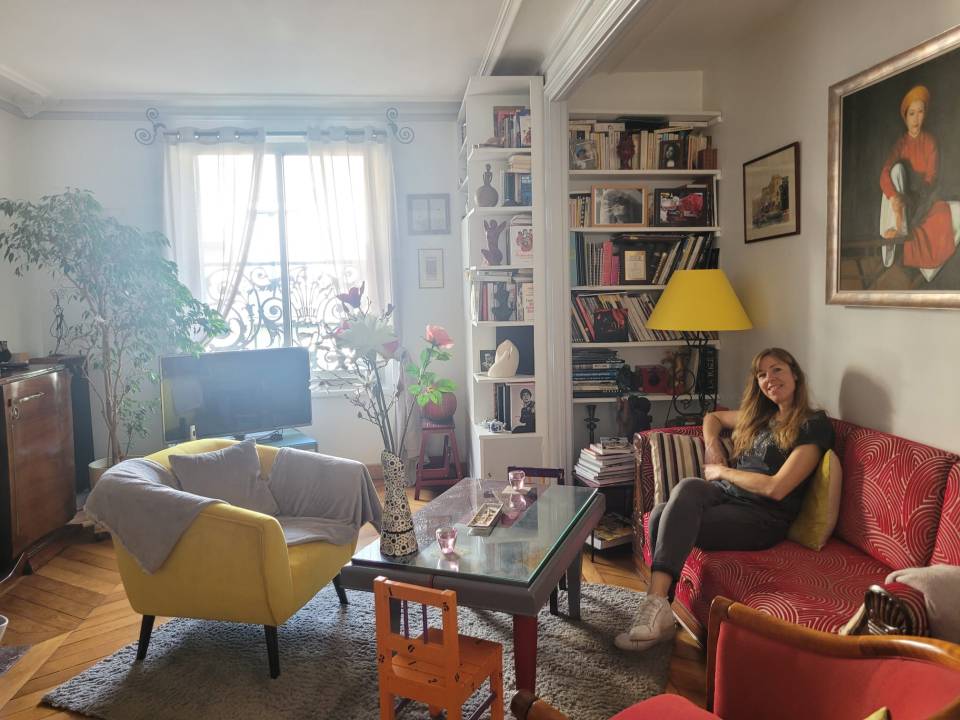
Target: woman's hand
column 713, row 471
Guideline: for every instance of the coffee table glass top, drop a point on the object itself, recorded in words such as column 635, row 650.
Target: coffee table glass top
column 529, row 529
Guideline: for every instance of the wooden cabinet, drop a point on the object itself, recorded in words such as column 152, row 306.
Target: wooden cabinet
column 36, row 458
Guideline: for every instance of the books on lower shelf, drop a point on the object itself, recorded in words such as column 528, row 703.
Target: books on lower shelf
column 504, row 297
column 605, row 466
column 611, row 531
column 601, row 261
column 595, row 372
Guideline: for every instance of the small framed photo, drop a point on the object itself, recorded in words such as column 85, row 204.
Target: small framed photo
column 671, row 155
column 487, row 358
column 431, row 268
column 428, row 214
column 523, row 408
column 771, row 199
column 583, row 155
column 617, row 205
column 521, row 240
column 635, row 267
column 683, row 207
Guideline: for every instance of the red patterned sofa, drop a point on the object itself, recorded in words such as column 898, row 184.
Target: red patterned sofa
column 900, row 507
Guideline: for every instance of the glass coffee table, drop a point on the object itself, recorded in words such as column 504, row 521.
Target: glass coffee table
column 537, row 541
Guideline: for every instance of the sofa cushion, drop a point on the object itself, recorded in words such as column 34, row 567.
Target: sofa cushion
column 231, row 474
column 821, row 505
column 675, row 457
column 946, row 549
column 820, row 590
column 892, row 493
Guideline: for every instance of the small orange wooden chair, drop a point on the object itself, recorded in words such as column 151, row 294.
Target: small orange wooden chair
column 440, row 667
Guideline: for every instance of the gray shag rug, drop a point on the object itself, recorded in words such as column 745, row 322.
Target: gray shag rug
column 213, row 670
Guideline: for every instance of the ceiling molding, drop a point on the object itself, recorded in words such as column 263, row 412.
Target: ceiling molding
column 498, row 38
column 582, row 41
column 132, row 107
column 21, row 92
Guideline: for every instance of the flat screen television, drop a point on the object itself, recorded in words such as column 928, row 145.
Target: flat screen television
column 234, row 393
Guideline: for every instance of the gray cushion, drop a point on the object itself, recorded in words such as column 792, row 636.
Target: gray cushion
column 231, row 474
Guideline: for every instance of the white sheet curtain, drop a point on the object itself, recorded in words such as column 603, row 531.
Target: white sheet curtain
column 217, row 231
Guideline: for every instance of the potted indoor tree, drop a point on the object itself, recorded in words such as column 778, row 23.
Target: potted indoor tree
column 126, row 305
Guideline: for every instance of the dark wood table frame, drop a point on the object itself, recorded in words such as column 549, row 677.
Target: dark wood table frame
column 523, row 602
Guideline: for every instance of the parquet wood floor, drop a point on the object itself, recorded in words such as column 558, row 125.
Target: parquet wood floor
column 73, row 612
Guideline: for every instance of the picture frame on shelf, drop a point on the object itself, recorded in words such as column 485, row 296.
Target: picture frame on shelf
column 523, row 414
column 520, row 239
column 620, row 204
column 682, row 207
column 634, row 267
column 893, row 200
column 771, row 197
column 428, row 214
column 431, row 268
column 583, row 155
column 487, row 358
column 671, row 155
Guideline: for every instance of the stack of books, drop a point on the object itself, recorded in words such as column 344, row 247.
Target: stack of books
column 595, row 372
column 607, row 462
column 612, row 530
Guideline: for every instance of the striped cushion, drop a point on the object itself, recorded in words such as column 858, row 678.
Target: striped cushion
column 675, row 457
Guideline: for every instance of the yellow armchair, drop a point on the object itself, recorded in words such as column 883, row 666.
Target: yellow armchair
column 231, row 565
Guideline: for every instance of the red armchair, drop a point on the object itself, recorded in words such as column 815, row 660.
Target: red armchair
column 759, row 666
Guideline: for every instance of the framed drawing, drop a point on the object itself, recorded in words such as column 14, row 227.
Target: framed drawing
column 428, row 214
column 617, row 205
column 431, row 268
column 893, row 189
column 771, row 194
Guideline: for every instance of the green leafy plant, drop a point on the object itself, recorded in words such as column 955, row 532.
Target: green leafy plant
column 362, row 345
column 131, row 306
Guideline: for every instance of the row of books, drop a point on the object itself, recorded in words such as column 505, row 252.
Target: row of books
column 595, row 372
column 604, row 466
column 650, row 259
column 503, row 297
column 517, row 188
column 638, row 145
column 697, row 367
column 615, row 317
column 512, row 126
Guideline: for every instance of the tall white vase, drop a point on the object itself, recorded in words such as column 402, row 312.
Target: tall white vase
column 397, row 537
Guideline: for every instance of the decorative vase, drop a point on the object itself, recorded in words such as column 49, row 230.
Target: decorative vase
column 487, row 195
column 397, row 537
column 442, row 412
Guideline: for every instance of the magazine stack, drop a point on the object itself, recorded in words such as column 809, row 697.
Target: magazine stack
column 607, row 462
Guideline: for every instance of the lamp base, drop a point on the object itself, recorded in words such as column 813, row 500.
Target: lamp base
column 691, row 398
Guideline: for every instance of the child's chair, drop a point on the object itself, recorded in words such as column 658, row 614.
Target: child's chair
column 440, row 667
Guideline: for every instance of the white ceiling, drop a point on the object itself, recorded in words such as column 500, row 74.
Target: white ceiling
column 396, row 49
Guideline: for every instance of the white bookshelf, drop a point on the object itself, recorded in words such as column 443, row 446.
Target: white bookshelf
column 491, row 453
column 634, row 352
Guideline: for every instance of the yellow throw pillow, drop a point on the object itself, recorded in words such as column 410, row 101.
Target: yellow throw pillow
column 821, row 505
column 881, row 714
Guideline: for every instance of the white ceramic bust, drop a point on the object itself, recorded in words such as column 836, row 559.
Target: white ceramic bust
column 506, row 361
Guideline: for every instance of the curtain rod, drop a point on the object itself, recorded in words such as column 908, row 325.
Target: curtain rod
column 404, row 135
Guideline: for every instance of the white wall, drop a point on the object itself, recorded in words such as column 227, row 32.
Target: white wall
column 14, row 327
column 102, row 156
column 640, row 91
column 890, row 369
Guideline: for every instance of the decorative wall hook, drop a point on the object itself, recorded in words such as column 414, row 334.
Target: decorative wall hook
column 148, row 137
column 404, row 134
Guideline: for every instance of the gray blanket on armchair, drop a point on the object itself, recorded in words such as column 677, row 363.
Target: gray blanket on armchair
column 321, row 498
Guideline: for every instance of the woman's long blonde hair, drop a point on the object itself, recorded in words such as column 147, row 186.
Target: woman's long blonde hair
column 757, row 410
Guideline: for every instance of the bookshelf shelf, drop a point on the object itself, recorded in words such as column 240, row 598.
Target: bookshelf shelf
column 499, row 210
column 652, row 344
column 642, row 174
column 610, row 229
column 495, row 153
column 484, row 433
column 515, row 380
column 503, row 323
column 652, row 397
column 616, row 288
column 497, row 268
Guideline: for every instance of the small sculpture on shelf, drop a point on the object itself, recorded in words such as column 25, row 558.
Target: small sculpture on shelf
column 507, row 361
column 625, row 151
column 633, row 415
column 504, row 309
column 493, row 255
column 487, row 195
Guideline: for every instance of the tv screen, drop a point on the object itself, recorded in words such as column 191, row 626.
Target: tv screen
column 233, row 393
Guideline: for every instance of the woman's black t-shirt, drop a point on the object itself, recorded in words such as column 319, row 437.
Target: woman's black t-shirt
column 764, row 456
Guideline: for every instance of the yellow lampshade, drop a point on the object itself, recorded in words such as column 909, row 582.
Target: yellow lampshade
column 699, row 300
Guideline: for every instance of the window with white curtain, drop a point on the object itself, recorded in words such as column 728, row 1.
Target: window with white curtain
column 306, row 244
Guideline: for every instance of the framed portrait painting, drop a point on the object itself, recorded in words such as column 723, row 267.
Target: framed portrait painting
column 771, row 194
column 893, row 189
column 617, row 205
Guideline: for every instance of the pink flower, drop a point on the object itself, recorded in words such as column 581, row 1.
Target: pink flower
column 436, row 335
column 390, row 348
column 341, row 328
column 352, row 296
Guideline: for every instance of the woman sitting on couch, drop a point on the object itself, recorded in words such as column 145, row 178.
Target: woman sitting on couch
column 778, row 442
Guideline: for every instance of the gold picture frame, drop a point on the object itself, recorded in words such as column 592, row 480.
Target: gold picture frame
column 904, row 252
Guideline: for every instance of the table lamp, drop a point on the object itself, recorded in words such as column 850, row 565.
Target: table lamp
column 696, row 303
